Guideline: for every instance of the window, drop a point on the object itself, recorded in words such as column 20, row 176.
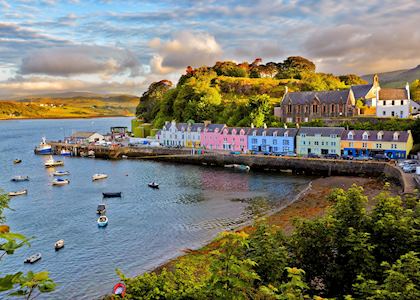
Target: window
column 393, row 146
column 286, row 134
column 350, row 135
column 364, row 145
column 286, row 149
column 303, row 135
column 264, row 133
column 379, row 136
column 289, row 108
column 393, row 113
column 275, row 133
column 274, row 142
column 402, row 102
column 285, row 142
column 351, row 144
column 324, row 108
column 332, row 108
column 241, row 140
column 365, row 136
column 378, row 146
column 264, row 141
column 393, row 102
column 225, row 140
column 316, row 143
column 384, row 113
column 332, row 143
column 322, row 143
column 303, row 142
column 254, row 133
column 396, row 136
column 332, row 151
column 289, row 120
column 275, row 149
column 333, row 136
column 254, row 141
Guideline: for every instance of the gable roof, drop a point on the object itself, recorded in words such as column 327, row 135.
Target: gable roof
column 213, row 127
column 270, row 131
column 83, row 134
column 323, row 131
column 327, row 97
column 361, row 90
column 393, row 94
column 388, row 136
column 238, row 130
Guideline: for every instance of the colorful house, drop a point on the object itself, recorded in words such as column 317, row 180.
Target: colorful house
column 318, row 140
column 394, row 144
column 175, row 134
column 211, row 138
column 234, row 139
column 272, row 140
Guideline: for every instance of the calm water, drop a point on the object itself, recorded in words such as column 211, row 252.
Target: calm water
column 146, row 227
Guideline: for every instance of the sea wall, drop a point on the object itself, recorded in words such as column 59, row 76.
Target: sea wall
column 296, row 165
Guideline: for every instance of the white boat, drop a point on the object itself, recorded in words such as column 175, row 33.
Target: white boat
column 18, row 193
column 99, row 176
column 20, row 178
column 59, row 181
column 53, row 163
column 43, row 148
column 153, row 185
column 91, row 154
column 239, row 167
column 65, row 152
column 61, row 173
column 33, row 258
column 59, row 244
column 102, row 221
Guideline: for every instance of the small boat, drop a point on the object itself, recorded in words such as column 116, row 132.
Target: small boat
column 58, row 245
column 43, row 148
column 102, row 221
column 153, row 185
column 99, row 176
column 119, row 289
column 61, row 173
column 91, row 154
column 53, row 163
column 59, row 181
column 17, row 161
column 239, row 167
column 65, row 152
column 20, row 178
column 112, row 195
column 33, row 258
column 100, row 209
column 124, row 156
column 18, row 193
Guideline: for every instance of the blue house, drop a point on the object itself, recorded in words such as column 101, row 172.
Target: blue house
column 272, row 140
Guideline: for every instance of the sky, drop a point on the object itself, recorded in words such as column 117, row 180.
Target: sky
column 107, row 46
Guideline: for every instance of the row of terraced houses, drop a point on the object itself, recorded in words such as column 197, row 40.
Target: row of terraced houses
column 302, row 141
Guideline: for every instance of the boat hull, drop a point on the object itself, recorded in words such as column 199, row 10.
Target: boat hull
column 43, row 151
column 112, row 195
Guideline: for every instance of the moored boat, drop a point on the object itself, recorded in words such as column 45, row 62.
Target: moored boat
column 112, row 195
column 17, row 193
column 20, row 178
column 99, row 176
column 65, row 152
column 91, row 154
column 61, row 173
column 59, row 181
column 153, row 185
column 33, row 258
column 100, row 209
column 239, row 167
column 119, row 289
column 58, row 244
column 43, row 148
column 102, row 221
column 17, row 161
column 53, row 163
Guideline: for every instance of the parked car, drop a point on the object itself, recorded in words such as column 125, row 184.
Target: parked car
column 347, row 157
column 363, row 158
column 290, row 154
column 331, row 156
column 410, row 168
column 381, row 157
column 235, row 152
column 313, row 155
column 406, row 163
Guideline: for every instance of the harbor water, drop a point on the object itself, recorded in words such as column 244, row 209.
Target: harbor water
column 146, row 226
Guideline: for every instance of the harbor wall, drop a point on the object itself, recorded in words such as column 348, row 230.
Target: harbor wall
column 296, row 165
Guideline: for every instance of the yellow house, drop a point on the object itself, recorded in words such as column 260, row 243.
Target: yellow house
column 394, row 144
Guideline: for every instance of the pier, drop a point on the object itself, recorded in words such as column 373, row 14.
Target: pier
column 295, row 165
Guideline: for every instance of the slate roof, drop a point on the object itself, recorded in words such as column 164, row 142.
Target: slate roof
column 238, row 130
column 270, row 131
column 323, row 131
column 392, row 94
column 83, row 134
column 213, row 127
column 361, row 90
column 327, row 97
column 388, row 136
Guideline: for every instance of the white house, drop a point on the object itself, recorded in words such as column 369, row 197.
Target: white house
column 181, row 134
column 415, row 108
column 81, row 137
column 393, row 103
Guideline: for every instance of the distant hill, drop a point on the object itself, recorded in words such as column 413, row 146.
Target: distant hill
column 396, row 78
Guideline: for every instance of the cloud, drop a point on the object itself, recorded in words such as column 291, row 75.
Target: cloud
column 184, row 49
column 22, row 86
column 80, row 59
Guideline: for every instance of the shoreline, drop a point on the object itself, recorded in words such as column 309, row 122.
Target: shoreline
column 310, row 203
column 65, row 118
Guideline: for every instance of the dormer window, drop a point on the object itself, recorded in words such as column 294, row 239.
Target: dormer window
column 264, row 133
column 380, row 135
column 233, row 131
column 365, row 136
column 254, row 133
column 275, row 133
column 350, row 135
column 396, row 136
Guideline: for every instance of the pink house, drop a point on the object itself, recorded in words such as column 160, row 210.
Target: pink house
column 235, row 139
column 211, row 136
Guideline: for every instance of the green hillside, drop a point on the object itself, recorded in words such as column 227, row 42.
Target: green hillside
column 235, row 94
column 396, row 78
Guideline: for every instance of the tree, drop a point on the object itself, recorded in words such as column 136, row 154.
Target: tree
column 352, row 79
column 294, row 67
column 30, row 285
column 259, row 109
column 149, row 101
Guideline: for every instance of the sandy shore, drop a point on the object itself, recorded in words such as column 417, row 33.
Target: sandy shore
column 310, row 204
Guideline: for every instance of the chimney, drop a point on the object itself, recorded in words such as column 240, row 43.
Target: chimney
column 166, row 122
column 265, row 126
column 207, row 123
column 285, row 126
column 286, row 89
column 407, row 88
column 252, row 125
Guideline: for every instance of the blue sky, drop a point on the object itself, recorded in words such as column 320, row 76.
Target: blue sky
column 122, row 46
